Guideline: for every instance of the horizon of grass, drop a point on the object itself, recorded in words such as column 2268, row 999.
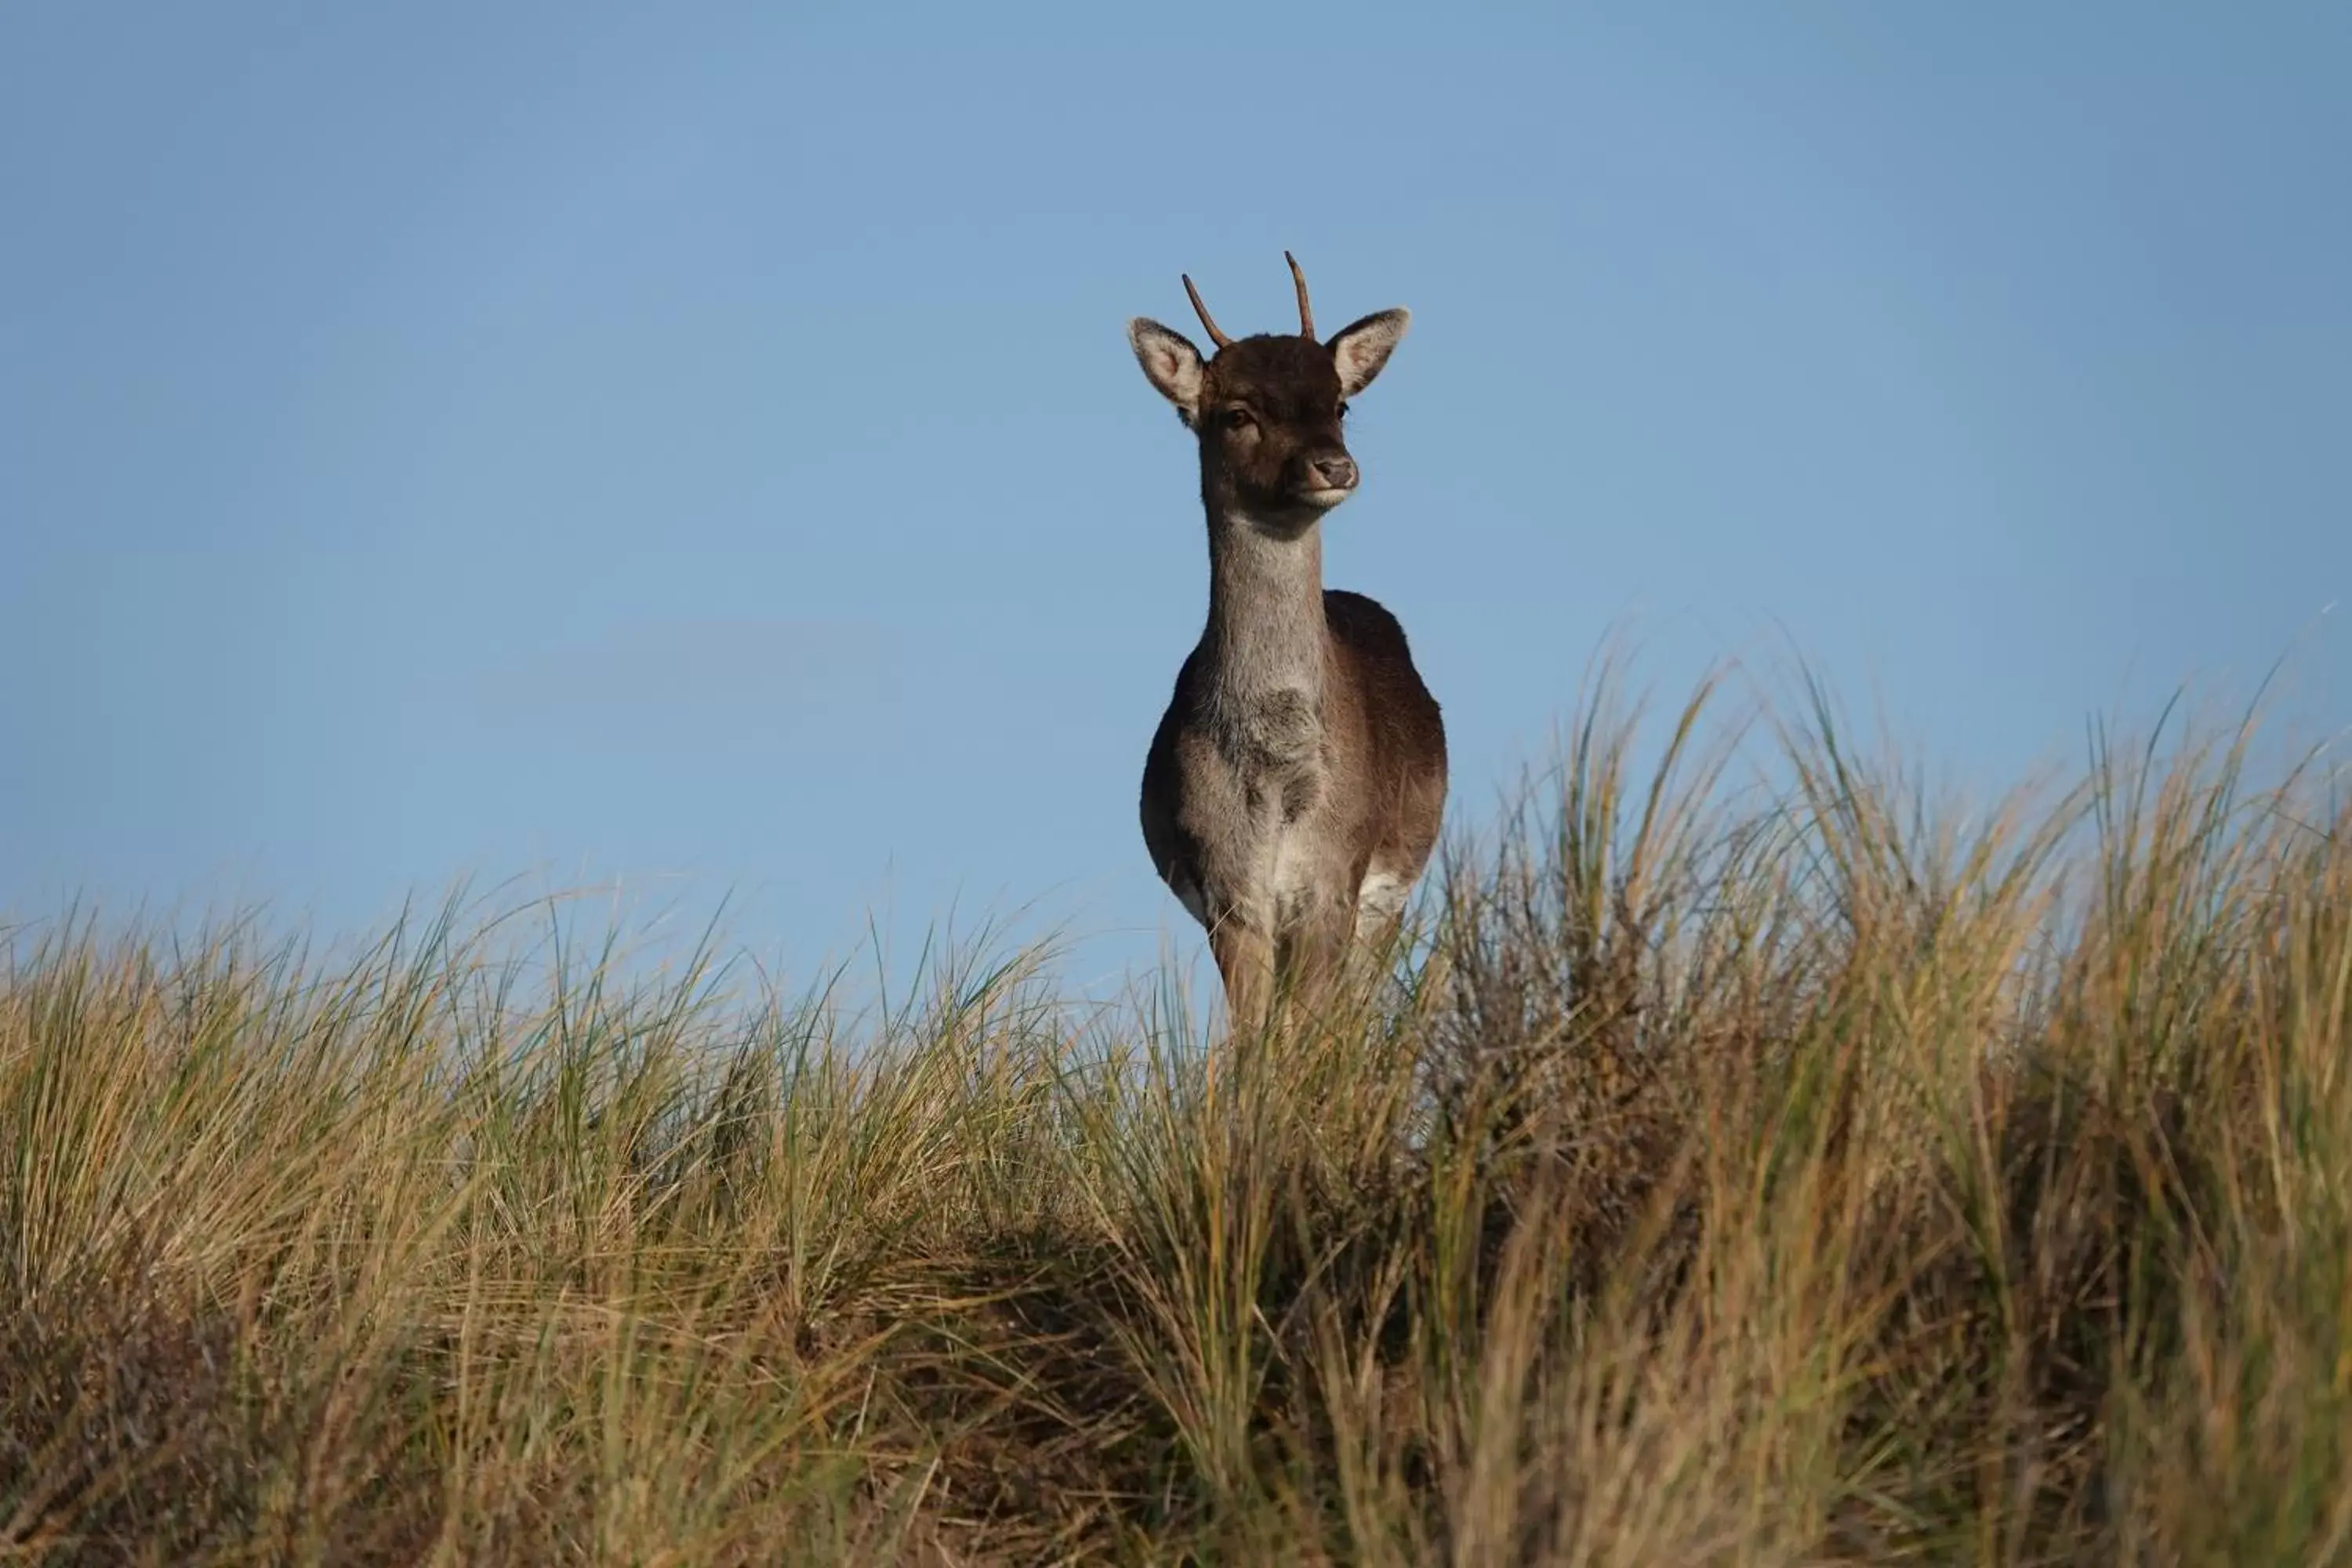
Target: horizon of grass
column 1762, row 1166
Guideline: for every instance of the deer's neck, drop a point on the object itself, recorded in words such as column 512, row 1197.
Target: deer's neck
column 1265, row 631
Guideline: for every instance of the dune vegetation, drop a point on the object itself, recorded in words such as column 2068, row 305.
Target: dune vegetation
column 1756, row 1157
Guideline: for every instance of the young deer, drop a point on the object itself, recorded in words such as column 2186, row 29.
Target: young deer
column 1295, row 786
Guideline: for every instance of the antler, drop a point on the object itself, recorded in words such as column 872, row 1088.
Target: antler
column 1216, row 335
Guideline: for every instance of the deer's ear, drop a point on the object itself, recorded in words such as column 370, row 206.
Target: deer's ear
column 1170, row 362
column 1359, row 349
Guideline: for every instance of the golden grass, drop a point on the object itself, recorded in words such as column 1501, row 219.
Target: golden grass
column 1795, row 1175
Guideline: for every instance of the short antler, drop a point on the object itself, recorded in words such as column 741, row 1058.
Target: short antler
column 1305, row 312
column 1216, row 335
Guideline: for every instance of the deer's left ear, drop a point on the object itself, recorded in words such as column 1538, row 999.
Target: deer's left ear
column 1359, row 349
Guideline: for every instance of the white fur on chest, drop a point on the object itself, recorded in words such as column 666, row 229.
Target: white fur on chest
column 1289, row 882
column 1286, row 888
column 1278, row 725
column 1380, row 901
column 1282, row 884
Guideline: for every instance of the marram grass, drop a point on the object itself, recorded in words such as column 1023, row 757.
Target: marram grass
column 1733, row 1172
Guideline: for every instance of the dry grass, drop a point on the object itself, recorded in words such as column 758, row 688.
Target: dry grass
column 1759, row 1175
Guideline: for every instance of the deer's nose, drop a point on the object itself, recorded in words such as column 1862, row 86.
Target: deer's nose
column 1335, row 472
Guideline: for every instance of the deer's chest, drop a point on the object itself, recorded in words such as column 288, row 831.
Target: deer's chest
column 1282, row 775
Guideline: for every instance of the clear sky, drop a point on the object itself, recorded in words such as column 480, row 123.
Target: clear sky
column 696, row 446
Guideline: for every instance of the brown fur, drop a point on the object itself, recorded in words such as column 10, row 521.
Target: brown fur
column 1300, row 753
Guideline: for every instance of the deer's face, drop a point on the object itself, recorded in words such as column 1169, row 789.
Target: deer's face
column 1268, row 409
column 1269, row 422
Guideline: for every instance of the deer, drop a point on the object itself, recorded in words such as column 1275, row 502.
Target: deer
column 1295, row 786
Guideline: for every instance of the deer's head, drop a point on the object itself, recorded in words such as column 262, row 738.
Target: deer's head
column 1268, row 409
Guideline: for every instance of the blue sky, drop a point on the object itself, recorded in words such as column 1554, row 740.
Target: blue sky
column 695, row 447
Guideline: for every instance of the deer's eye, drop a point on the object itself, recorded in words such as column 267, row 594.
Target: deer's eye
column 1238, row 419
column 1343, row 411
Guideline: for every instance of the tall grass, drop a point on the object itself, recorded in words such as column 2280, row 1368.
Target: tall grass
column 1810, row 1171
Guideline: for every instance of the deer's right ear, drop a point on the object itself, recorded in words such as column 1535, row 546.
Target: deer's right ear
column 1170, row 362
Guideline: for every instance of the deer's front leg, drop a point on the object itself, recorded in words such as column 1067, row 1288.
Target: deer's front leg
column 1244, row 955
column 1313, row 957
